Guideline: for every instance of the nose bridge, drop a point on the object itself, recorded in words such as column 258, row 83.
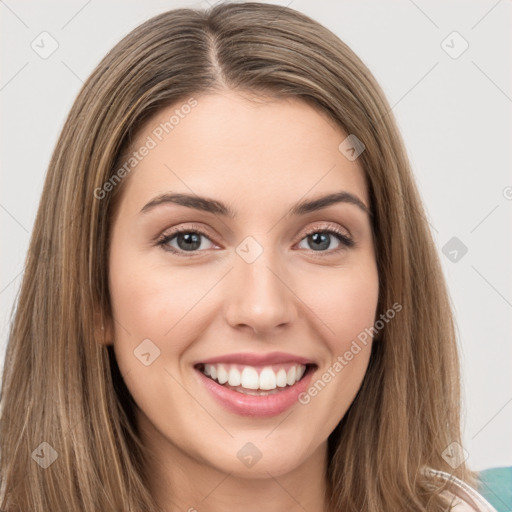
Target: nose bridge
column 261, row 297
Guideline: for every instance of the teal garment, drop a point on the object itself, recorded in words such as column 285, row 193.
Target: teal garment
column 495, row 485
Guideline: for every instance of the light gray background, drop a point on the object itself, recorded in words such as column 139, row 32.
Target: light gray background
column 455, row 116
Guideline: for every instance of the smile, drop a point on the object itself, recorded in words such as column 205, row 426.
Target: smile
column 248, row 379
column 257, row 389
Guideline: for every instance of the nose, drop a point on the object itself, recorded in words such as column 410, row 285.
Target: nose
column 260, row 295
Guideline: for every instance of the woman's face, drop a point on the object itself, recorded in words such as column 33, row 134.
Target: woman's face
column 255, row 289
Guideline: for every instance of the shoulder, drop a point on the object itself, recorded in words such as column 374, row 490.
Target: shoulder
column 464, row 497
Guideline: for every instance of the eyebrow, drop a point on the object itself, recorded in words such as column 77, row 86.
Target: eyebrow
column 218, row 208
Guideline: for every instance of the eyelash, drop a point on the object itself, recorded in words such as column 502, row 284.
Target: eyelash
column 346, row 242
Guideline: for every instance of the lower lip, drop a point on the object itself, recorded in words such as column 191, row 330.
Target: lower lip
column 252, row 405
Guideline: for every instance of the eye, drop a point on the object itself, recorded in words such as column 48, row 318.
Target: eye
column 320, row 239
column 186, row 239
column 189, row 240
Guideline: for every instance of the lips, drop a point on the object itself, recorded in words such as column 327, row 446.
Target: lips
column 256, row 384
column 253, row 359
column 246, row 371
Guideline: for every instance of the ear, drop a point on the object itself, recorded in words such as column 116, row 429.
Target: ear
column 103, row 328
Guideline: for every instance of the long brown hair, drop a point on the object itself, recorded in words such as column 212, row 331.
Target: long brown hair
column 61, row 387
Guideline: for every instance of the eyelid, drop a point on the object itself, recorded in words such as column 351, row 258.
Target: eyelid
column 328, row 227
column 162, row 239
column 346, row 240
column 199, row 228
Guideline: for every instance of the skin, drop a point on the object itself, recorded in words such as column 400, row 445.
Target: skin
column 260, row 158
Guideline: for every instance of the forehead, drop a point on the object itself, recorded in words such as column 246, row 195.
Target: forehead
column 250, row 151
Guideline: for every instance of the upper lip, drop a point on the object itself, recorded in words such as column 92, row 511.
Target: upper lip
column 254, row 359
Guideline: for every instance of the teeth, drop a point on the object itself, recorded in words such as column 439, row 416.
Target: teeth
column 234, row 377
column 249, row 378
column 290, row 377
column 281, row 378
column 222, row 374
column 269, row 379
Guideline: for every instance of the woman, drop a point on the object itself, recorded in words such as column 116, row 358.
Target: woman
column 231, row 296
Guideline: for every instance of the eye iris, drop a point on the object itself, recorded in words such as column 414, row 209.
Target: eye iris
column 317, row 238
column 189, row 238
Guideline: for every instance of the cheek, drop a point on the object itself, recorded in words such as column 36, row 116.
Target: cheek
column 149, row 303
column 344, row 304
column 346, row 308
column 356, row 306
column 344, row 301
column 149, row 300
column 146, row 304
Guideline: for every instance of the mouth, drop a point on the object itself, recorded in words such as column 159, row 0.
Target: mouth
column 256, row 380
column 260, row 389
